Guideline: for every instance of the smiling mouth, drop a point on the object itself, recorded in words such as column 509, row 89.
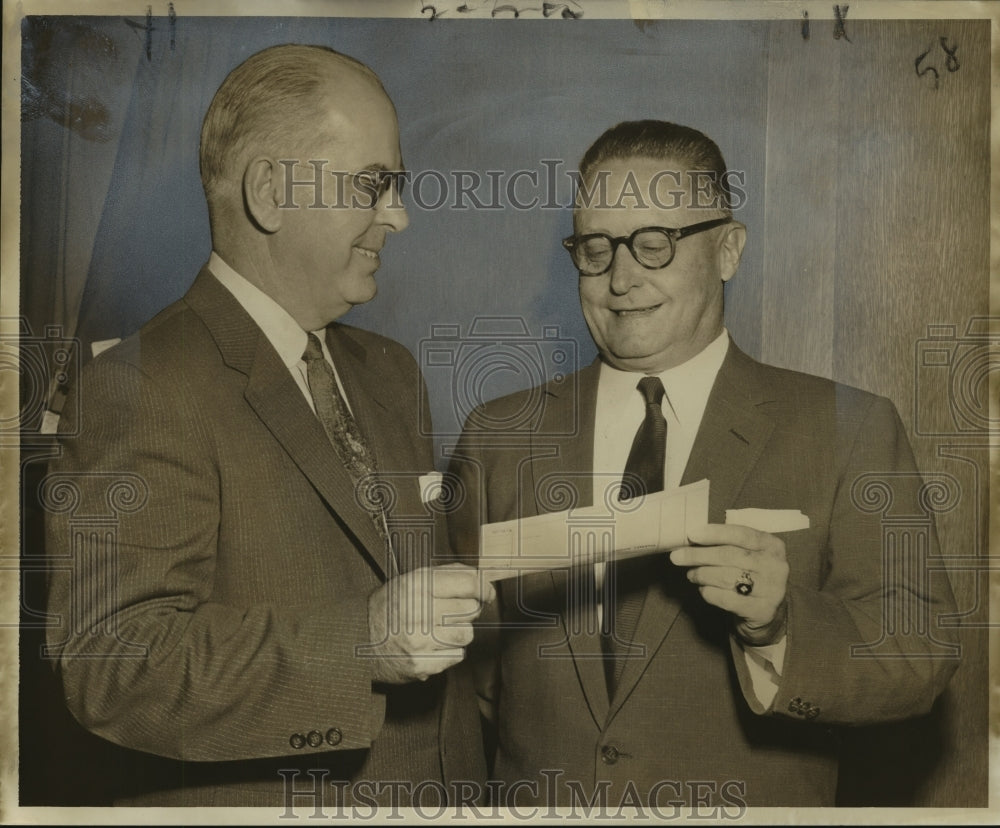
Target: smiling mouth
column 364, row 251
column 629, row 312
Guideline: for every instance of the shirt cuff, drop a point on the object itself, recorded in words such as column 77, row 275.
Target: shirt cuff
column 765, row 664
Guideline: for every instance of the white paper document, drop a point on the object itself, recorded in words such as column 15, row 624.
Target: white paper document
column 589, row 534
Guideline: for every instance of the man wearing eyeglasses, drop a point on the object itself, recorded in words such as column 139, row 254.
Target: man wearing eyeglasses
column 715, row 675
column 269, row 628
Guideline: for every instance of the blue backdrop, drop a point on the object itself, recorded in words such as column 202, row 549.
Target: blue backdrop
column 473, row 95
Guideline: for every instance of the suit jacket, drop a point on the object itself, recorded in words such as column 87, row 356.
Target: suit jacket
column 684, row 725
column 213, row 602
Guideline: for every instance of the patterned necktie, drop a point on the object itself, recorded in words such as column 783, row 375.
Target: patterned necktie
column 625, row 581
column 343, row 431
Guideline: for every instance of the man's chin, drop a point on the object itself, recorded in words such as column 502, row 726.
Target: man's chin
column 627, row 360
column 362, row 297
column 637, row 359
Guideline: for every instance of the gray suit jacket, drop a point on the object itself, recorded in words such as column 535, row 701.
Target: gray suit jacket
column 684, row 712
column 217, row 567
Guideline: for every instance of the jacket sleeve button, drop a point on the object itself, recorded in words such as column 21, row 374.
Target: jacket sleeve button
column 297, row 741
column 334, row 736
column 315, row 738
column 609, row 754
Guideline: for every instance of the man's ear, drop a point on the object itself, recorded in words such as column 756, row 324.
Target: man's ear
column 734, row 236
column 262, row 190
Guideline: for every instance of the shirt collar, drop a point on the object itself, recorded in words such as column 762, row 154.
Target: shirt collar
column 281, row 330
column 687, row 385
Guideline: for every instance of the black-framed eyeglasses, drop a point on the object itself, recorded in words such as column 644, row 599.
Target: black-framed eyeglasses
column 652, row 247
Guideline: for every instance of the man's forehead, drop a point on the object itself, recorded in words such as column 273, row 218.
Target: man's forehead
column 361, row 124
column 352, row 95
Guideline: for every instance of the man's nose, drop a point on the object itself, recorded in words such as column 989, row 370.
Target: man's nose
column 626, row 272
column 392, row 211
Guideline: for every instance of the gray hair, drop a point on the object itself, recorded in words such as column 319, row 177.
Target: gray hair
column 269, row 96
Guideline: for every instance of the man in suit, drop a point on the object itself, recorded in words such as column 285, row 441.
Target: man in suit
column 265, row 618
column 715, row 675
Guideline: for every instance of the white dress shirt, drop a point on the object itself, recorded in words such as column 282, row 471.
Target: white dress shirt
column 281, row 330
column 621, row 410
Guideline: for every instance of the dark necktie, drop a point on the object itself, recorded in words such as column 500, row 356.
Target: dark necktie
column 625, row 581
column 343, row 431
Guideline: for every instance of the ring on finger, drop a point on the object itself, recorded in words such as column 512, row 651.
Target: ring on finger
column 744, row 584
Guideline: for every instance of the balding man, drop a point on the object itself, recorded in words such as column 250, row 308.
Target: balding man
column 270, row 621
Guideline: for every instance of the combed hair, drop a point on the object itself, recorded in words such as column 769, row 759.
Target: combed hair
column 662, row 141
column 270, row 94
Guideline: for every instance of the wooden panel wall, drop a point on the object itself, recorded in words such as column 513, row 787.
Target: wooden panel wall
column 877, row 226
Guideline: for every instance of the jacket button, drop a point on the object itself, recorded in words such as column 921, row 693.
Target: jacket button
column 298, row 741
column 334, row 736
column 803, row 708
column 609, row 754
column 315, row 738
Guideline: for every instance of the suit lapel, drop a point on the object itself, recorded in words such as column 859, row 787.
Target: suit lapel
column 570, row 409
column 730, row 439
column 733, row 433
column 278, row 402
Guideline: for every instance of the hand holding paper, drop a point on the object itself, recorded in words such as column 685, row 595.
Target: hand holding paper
column 421, row 621
column 743, row 571
column 658, row 522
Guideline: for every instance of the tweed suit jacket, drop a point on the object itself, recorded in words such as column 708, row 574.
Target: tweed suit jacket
column 684, row 724
column 218, row 631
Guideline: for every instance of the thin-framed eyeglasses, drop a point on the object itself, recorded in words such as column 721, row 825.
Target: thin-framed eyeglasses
column 652, row 247
column 370, row 185
column 376, row 183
